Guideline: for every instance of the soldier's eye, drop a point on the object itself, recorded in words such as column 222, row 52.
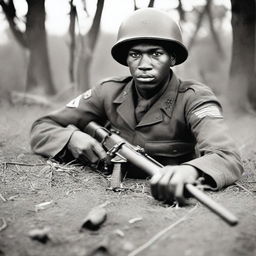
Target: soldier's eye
column 157, row 54
column 134, row 54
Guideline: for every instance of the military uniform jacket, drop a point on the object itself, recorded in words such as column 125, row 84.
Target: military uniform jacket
column 184, row 126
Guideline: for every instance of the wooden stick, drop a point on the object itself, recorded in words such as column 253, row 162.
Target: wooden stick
column 244, row 188
column 2, row 197
column 4, row 225
column 23, row 164
column 160, row 234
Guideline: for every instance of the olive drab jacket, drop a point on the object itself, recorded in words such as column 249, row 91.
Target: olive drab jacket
column 184, row 126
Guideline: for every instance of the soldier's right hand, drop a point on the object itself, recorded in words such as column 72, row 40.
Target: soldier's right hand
column 85, row 147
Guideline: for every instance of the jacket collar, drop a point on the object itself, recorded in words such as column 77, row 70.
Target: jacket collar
column 154, row 115
column 126, row 107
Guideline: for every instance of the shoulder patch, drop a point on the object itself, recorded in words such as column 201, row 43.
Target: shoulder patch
column 74, row 103
column 87, row 94
column 208, row 111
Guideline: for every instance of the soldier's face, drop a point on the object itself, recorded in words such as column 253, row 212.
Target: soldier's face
column 149, row 65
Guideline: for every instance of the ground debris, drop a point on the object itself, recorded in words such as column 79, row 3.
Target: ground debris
column 4, row 224
column 2, row 197
column 40, row 235
column 119, row 232
column 244, row 188
column 95, row 218
column 43, row 205
column 134, row 220
column 101, row 249
column 72, row 191
column 12, row 198
column 23, row 164
column 127, row 246
column 160, row 234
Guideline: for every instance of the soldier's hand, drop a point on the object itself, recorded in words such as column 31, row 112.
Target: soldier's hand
column 168, row 185
column 85, row 147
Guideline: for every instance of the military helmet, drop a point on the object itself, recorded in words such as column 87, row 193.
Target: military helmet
column 152, row 25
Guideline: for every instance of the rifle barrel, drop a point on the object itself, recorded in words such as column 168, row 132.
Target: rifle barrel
column 127, row 150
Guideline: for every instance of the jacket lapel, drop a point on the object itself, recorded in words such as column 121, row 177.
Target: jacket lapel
column 126, row 107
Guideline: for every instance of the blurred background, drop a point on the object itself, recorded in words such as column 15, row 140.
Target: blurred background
column 54, row 50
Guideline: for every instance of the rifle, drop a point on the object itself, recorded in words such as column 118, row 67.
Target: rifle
column 116, row 145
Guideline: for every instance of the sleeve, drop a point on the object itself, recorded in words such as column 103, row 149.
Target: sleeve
column 50, row 134
column 218, row 160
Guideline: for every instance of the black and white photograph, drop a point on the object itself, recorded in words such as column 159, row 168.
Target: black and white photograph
column 127, row 127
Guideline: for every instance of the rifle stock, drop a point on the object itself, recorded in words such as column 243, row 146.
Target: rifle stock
column 116, row 144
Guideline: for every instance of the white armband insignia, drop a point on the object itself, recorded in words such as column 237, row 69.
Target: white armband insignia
column 74, row 103
column 208, row 111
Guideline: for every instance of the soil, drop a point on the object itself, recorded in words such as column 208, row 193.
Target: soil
column 133, row 216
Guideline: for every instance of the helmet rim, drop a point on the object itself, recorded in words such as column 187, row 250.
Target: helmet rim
column 121, row 48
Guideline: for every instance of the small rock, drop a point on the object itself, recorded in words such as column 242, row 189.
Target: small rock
column 131, row 221
column 128, row 246
column 95, row 218
column 40, row 235
column 43, row 205
column 119, row 232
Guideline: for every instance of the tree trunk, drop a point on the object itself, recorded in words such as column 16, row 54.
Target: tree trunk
column 83, row 68
column 10, row 14
column 72, row 33
column 242, row 85
column 39, row 72
column 88, row 44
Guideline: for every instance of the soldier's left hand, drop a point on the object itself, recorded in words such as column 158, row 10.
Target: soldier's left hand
column 168, row 185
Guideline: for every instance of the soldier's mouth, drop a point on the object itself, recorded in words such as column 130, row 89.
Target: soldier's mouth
column 144, row 78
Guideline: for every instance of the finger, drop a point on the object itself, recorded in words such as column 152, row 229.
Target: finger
column 171, row 192
column 99, row 151
column 179, row 193
column 154, row 183
column 92, row 157
column 163, row 186
column 177, row 186
column 84, row 160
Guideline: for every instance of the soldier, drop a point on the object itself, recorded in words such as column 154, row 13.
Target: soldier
column 180, row 123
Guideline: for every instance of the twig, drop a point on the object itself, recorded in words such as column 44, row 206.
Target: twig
column 2, row 197
column 4, row 225
column 23, row 164
column 160, row 234
column 244, row 188
column 73, row 191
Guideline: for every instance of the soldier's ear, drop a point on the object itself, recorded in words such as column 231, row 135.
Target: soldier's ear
column 173, row 60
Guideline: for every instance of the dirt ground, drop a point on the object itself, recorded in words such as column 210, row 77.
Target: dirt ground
column 133, row 216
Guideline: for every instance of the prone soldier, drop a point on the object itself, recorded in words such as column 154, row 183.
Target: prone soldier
column 179, row 123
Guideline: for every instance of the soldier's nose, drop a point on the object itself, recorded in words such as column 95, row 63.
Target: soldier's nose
column 145, row 63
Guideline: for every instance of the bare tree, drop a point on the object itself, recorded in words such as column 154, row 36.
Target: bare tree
column 33, row 39
column 208, row 12
column 242, row 86
column 181, row 11
column 73, row 16
column 39, row 73
column 88, row 45
column 150, row 4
